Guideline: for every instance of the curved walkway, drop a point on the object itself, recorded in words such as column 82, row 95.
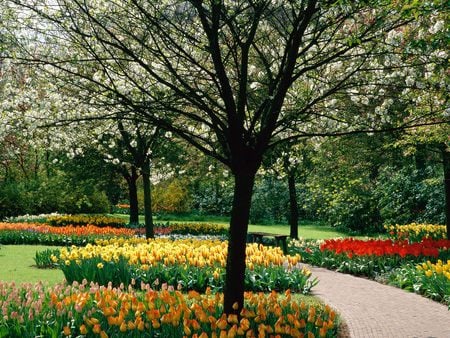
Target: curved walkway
column 371, row 309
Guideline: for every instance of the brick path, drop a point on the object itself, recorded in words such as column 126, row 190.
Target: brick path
column 371, row 309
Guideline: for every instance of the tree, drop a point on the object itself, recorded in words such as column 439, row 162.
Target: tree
column 229, row 77
column 435, row 140
column 341, row 185
column 131, row 146
column 446, row 162
column 291, row 161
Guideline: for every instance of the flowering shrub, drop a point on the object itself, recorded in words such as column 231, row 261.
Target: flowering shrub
column 81, row 220
column 189, row 264
column 416, row 232
column 431, row 280
column 82, row 310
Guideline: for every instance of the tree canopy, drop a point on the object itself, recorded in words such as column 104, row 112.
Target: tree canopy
column 235, row 78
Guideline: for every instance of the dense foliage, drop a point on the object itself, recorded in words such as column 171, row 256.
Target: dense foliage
column 356, row 195
column 376, row 185
column 67, row 185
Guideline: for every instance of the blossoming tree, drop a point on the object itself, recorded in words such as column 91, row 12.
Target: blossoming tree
column 229, row 77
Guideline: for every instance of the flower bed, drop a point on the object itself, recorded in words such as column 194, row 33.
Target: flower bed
column 82, row 220
column 198, row 229
column 416, row 232
column 369, row 257
column 429, row 279
column 377, row 247
column 188, row 264
column 30, row 233
column 83, row 310
column 68, row 230
column 41, row 218
column 41, row 233
column 38, row 233
column 193, row 229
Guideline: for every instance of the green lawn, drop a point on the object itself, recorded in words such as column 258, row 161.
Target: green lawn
column 17, row 265
column 17, row 261
column 306, row 230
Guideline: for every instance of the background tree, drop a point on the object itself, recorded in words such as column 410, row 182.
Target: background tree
column 431, row 147
column 291, row 162
column 210, row 184
column 228, row 77
column 131, row 147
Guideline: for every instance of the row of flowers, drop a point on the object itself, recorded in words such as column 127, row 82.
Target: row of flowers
column 415, row 232
column 198, row 229
column 379, row 247
column 83, row 310
column 109, row 222
column 369, row 257
column 38, row 233
column 31, row 233
column 188, row 251
column 82, row 220
column 188, row 264
column 68, row 230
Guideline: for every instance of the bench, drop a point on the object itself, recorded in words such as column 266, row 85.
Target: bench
column 280, row 240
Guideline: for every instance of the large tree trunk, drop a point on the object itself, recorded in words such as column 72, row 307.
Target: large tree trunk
column 235, row 270
column 446, row 161
column 293, row 205
column 149, row 233
column 133, row 197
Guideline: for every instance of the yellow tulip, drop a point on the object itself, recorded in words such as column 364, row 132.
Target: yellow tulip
column 123, row 327
column 83, row 329
column 67, row 331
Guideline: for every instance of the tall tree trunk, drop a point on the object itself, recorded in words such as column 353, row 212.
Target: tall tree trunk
column 293, row 205
column 133, row 197
column 36, row 165
column 235, row 270
column 446, row 161
column 47, row 163
column 420, row 158
column 149, row 232
column 421, row 165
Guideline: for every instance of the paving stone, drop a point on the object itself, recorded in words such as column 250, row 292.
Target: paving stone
column 371, row 309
